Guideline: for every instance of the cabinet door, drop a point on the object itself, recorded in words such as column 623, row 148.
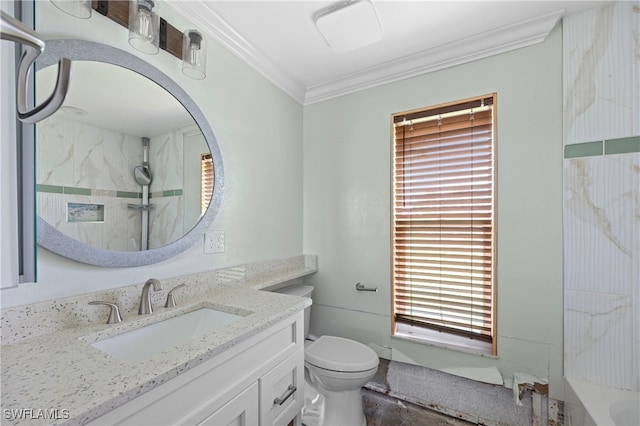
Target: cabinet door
column 282, row 391
column 240, row 411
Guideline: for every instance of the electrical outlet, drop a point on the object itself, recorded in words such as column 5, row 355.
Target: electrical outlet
column 214, row 242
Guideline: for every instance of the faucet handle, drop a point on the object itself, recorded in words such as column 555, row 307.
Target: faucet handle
column 114, row 313
column 171, row 300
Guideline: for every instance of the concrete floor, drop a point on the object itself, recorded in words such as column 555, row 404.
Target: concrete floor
column 383, row 410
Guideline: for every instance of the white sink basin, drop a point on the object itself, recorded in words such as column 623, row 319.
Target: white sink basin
column 140, row 344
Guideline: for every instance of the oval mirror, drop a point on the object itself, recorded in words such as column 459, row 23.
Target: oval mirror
column 128, row 171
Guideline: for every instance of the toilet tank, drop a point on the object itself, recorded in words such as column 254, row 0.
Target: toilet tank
column 301, row 291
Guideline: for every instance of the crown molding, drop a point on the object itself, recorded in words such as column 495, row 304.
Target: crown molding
column 208, row 21
column 501, row 40
column 465, row 50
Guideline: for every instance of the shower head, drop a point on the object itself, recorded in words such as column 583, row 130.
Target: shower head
column 142, row 174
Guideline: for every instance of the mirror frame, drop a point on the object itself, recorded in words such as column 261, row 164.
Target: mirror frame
column 57, row 242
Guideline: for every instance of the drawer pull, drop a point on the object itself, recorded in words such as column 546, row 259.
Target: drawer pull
column 290, row 391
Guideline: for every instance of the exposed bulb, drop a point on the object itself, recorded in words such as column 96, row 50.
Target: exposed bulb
column 145, row 28
column 194, row 54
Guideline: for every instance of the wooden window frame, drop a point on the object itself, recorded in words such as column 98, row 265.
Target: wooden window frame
column 427, row 210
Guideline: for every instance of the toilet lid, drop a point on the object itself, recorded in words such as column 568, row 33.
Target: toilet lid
column 338, row 354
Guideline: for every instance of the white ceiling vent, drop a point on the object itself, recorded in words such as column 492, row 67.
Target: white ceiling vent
column 348, row 25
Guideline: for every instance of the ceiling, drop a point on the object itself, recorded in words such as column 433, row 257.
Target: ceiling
column 280, row 39
column 108, row 105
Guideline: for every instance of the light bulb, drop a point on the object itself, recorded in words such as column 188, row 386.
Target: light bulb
column 193, row 55
column 144, row 23
column 143, row 26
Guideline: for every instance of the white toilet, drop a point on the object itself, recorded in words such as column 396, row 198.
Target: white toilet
column 335, row 370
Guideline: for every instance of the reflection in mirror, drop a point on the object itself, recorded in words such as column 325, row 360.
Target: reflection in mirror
column 112, row 168
column 125, row 170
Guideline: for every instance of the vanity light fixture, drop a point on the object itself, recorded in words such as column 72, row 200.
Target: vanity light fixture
column 194, row 55
column 144, row 26
column 78, row 8
column 150, row 33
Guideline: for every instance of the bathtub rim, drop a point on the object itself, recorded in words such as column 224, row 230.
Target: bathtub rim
column 596, row 400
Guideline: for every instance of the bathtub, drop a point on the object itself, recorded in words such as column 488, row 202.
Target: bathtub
column 588, row 404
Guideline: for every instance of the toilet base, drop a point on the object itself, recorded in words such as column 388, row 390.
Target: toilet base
column 332, row 408
column 344, row 409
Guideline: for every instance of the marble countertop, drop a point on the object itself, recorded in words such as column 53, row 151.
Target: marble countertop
column 62, row 373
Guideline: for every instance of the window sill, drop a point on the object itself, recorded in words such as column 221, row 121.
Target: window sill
column 442, row 340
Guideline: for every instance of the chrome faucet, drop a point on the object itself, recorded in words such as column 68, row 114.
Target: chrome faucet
column 145, row 298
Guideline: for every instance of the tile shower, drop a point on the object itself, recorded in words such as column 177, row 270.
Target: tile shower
column 94, row 166
column 602, row 195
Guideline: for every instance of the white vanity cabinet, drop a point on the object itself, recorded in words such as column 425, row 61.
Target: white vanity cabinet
column 242, row 410
column 258, row 381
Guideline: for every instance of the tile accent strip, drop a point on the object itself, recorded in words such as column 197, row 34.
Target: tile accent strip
column 622, row 145
column 606, row 147
column 57, row 189
column 587, row 149
column 128, row 194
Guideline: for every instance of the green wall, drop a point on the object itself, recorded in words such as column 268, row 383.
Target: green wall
column 347, row 209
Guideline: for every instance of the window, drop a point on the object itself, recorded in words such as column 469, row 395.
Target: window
column 206, row 181
column 443, row 232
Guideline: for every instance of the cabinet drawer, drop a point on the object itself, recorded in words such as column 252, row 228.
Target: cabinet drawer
column 240, row 411
column 282, row 391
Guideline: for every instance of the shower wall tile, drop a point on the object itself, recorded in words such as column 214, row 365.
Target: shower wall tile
column 600, row 339
column 166, row 221
column 635, row 201
column 134, row 231
column 110, row 234
column 599, row 223
column 168, row 156
column 602, row 73
column 54, row 153
column 636, row 342
column 76, row 160
column 122, row 153
column 73, row 154
column 602, row 195
column 88, row 157
column 602, row 280
column 50, row 208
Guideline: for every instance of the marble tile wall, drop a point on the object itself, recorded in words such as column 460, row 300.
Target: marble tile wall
column 166, row 219
column 602, row 195
column 86, row 164
column 601, row 74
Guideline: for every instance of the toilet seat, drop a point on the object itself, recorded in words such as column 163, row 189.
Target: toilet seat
column 339, row 354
